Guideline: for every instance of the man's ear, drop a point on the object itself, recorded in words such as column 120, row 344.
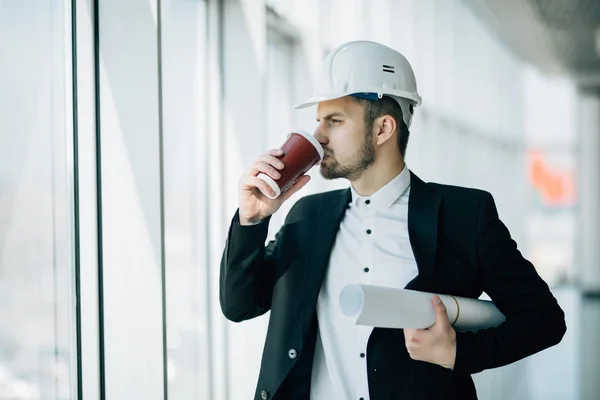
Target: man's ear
column 385, row 128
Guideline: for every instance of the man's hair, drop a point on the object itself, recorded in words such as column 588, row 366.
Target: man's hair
column 374, row 109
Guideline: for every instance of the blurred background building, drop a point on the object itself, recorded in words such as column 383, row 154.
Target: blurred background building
column 125, row 126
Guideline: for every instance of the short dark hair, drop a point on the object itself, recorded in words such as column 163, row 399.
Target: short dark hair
column 374, row 109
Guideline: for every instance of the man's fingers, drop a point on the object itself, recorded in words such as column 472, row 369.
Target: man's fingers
column 275, row 152
column 412, row 342
column 300, row 183
column 265, row 168
column 411, row 336
column 251, row 182
column 271, row 160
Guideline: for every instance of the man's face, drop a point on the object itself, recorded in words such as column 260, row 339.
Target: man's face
column 349, row 149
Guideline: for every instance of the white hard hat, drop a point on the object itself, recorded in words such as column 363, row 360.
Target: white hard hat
column 365, row 68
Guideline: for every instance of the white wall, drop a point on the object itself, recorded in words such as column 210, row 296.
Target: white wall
column 550, row 105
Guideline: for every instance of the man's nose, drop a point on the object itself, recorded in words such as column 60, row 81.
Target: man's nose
column 320, row 135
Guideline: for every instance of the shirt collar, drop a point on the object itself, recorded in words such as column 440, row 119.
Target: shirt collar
column 388, row 194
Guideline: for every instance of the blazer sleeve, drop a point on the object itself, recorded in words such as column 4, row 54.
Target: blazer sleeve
column 534, row 320
column 247, row 273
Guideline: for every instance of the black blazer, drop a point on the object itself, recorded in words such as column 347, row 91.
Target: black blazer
column 461, row 248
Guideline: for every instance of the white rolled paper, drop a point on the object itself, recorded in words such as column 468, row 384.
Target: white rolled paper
column 385, row 307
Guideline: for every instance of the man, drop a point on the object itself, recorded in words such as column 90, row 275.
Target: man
column 390, row 229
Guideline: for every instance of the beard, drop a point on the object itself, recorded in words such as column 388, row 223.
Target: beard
column 354, row 167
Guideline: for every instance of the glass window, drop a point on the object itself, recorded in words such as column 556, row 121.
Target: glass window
column 279, row 103
column 186, row 242
column 37, row 339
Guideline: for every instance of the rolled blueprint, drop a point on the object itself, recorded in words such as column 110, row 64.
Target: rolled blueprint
column 385, row 307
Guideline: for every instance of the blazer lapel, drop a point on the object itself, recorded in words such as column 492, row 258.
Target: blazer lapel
column 324, row 232
column 423, row 209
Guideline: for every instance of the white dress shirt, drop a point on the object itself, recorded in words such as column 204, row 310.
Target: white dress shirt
column 372, row 247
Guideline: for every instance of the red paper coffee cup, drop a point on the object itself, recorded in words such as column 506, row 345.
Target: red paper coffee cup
column 301, row 152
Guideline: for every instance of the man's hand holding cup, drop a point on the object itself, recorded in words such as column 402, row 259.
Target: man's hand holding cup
column 276, row 176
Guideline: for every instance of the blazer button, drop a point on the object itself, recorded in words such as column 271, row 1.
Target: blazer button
column 292, row 354
column 264, row 395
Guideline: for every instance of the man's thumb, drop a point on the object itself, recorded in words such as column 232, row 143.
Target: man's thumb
column 440, row 309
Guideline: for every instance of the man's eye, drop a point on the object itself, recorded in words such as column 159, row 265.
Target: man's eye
column 335, row 121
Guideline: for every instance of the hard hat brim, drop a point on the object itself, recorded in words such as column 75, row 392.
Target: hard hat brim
column 318, row 99
column 416, row 99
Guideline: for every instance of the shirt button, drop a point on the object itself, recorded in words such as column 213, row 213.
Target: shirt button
column 292, row 354
column 368, row 202
column 264, row 395
column 368, row 231
column 366, row 269
column 362, row 355
column 362, row 398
